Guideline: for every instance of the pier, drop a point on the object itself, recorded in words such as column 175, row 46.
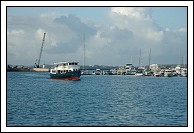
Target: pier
column 22, row 68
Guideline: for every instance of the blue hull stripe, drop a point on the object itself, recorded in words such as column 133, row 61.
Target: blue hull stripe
column 66, row 75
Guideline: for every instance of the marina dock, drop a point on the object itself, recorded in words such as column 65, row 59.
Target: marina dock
column 152, row 70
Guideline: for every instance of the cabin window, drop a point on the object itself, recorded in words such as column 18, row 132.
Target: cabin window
column 75, row 63
column 69, row 63
column 53, row 71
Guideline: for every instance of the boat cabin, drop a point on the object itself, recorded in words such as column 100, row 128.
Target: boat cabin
column 62, row 67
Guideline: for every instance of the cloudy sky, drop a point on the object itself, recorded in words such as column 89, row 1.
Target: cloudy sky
column 113, row 35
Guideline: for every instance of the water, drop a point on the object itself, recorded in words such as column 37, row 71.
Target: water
column 33, row 99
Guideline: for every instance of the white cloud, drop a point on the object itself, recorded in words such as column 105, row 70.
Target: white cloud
column 147, row 34
column 39, row 34
column 143, row 13
column 155, row 36
column 110, row 44
column 166, row 29
column 15, row 32
column 138, row 20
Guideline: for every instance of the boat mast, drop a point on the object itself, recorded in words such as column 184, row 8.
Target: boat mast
column 149, row 56
column 84, row 52
column 181, row 59
column 140, row 58
column 131, row 60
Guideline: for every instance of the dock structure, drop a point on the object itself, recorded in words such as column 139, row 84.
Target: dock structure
column 154, row 70
column 41, row 69
column 21, row 68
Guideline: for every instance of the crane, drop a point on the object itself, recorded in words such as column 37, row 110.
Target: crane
column 38, row 63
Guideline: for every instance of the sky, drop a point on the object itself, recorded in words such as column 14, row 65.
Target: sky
column 113, row 35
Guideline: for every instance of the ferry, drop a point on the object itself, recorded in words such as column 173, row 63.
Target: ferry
column 66, row 71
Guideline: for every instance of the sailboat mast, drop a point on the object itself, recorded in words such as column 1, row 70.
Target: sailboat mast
column 84, row 52
column 180, row 57
column 140, row 58
column 131, row 60
column 149, row 56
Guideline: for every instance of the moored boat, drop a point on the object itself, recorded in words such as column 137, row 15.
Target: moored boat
column 96, row 72
column 168, row 73
column 140, row 71
column 66, row 70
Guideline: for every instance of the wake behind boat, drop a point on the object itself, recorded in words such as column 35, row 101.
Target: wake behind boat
column 66, row 70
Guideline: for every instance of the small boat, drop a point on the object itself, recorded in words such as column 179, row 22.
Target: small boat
column 96, row 72
column 140, row 71
column 168, row 73
column 183, row 72
column 157, row 74
column 66, row 70
column 148, row 73
column 85, row 72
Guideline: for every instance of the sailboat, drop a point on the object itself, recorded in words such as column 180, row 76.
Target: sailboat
column 84, row 71
column 140, row 70
column 148, row 72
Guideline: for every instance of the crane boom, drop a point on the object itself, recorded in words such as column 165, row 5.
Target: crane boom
column 41, row 50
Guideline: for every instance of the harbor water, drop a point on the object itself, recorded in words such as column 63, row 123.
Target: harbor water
column 33, row 99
